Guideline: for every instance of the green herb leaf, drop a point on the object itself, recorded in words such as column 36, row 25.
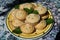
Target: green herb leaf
column 17, row 30
column 16, row 7
column 49, row 21
column 35, row 12
column 31, row 10
column 27, row 10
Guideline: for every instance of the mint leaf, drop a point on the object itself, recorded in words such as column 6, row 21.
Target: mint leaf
column 17, row 30
column 31, row 10
column 35, row 12
column 16, row 7
column 27, row 10
column 49, row 21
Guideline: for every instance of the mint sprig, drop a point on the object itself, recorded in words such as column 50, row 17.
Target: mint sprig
column 17, row 30
column 35, row 12
column 31, row 10
column 16, row 6
column 49, row 21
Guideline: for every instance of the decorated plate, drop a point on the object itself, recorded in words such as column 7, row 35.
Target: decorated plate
column 29, row 20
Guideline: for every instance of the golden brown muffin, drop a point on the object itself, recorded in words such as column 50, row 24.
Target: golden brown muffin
column 27, row 28
column 34, row 5
column 41, row 25
column 17, row 23
column 41, row 10
column 30, row 23
column 12, row 14
column 21, row 14
column 26, row 5
column 33, row 18
column 45, row 16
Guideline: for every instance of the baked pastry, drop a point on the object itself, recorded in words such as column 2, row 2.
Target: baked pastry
column 30, row 23
column 27, row 28
column 12, row 14
column 34, row 5
column 33, row 18
column 26, row 5
column 41, row 10
column 17, row 23
column 41, row 25
column 21, row 14
column 45, row 16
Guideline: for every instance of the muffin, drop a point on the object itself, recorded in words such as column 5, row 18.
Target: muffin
column 41, row 25
column 33, row 18
column 17, row 23
column 27, row 28
column 41, row 10
column 26, row 5
column 21, row 14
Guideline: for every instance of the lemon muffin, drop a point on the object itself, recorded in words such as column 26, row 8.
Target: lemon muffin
column 33, row 18
column 27, row 28
column 31, row 23
column 45, row 16
column 17, row 23
column 26, row 5
column 41, row 25
column 21, row 14
column 41, row 10
column 12, row 14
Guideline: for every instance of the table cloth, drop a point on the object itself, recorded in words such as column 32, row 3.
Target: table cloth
column 53, row 5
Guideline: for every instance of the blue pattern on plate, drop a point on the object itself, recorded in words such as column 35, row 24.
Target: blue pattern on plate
column 53, row 5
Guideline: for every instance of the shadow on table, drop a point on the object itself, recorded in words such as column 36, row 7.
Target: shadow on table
column 58, row 36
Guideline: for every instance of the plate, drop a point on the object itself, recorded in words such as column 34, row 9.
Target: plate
column 38, row 33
